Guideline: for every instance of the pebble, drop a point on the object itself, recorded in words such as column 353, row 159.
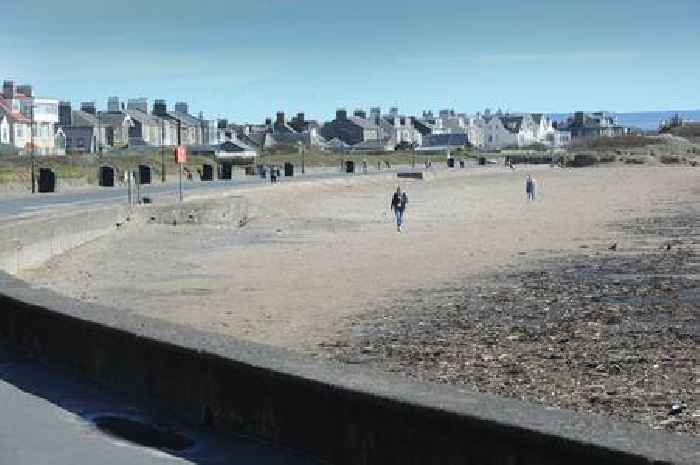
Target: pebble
column 601, row 335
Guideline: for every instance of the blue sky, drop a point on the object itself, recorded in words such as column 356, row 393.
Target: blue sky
column 246, row 60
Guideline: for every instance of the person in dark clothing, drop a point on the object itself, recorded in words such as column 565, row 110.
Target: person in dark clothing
column 398, row 204
column 530, row 187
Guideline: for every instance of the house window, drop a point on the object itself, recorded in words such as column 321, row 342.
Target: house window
column 81, row 143
column 20, row 131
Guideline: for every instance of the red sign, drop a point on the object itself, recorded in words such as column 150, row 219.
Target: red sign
column 180, row 154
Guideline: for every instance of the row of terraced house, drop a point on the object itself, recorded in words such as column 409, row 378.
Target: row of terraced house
column 54, row 127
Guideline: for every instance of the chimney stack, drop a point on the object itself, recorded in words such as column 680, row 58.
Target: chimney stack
column 25, row 90
column 181, row 107
column 88, row 107
column 280, row 119
column 160, row 108
column 360, row 113
column 113, row 105
column 65, row 114
column 341, row 114
column 375, row 114
column 140, row 104
column 8, row 89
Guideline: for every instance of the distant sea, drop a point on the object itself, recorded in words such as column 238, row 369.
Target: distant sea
column 646, row 120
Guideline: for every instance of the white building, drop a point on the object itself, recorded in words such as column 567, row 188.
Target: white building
column 45, row 116
column 20, row 112
column 521, row 130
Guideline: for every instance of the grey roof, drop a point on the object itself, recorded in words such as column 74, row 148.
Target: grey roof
column 144, row 117
column 111, row 119
column 363, row 123
column 189, row 120
column 512, row 123
column 289, row 137
column 283, row 129
column 81, row 118
column 445, row 140
column 254, row 139
column 234, row 147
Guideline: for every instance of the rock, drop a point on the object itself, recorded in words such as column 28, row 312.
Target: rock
column 677, row 408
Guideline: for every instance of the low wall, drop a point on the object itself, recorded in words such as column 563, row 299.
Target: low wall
column 339, row 414
column 229, row 210
column 29, row 242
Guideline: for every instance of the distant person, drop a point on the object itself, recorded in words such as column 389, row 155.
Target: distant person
column 398, row 204
column 273, row 175
column 530, row 187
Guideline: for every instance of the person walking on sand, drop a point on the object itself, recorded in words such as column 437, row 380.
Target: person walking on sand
column 530, row 187
column 398, row 204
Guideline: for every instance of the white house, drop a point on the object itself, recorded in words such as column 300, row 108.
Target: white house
column 15, row 127
column 45, row 116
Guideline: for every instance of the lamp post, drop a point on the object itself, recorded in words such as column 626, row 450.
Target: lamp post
column 31, row 135
column 99, row 133
column 179, row 140
column 162, row 150
column 300, row 145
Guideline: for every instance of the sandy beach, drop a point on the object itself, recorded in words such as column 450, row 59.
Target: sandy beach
column 313, row 253
column 320, row 263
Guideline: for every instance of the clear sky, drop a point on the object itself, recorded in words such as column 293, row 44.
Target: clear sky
column 247, row 59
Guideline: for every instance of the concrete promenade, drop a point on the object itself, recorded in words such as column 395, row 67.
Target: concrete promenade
column 47, row 418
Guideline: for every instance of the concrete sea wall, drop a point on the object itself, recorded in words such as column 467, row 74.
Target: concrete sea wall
column 29, row 242
column 339, row 414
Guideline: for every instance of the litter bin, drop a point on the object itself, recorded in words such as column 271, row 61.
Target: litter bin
column 226, row 170
column 47, row 180
column 106, row 176
column 482, row 160
column 207, row 172
column 349, row 166
column 288, row 169
column 450, row 162
column 144, row 174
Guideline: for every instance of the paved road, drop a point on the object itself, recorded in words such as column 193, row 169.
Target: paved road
column 46, row 419
column 36, row 204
